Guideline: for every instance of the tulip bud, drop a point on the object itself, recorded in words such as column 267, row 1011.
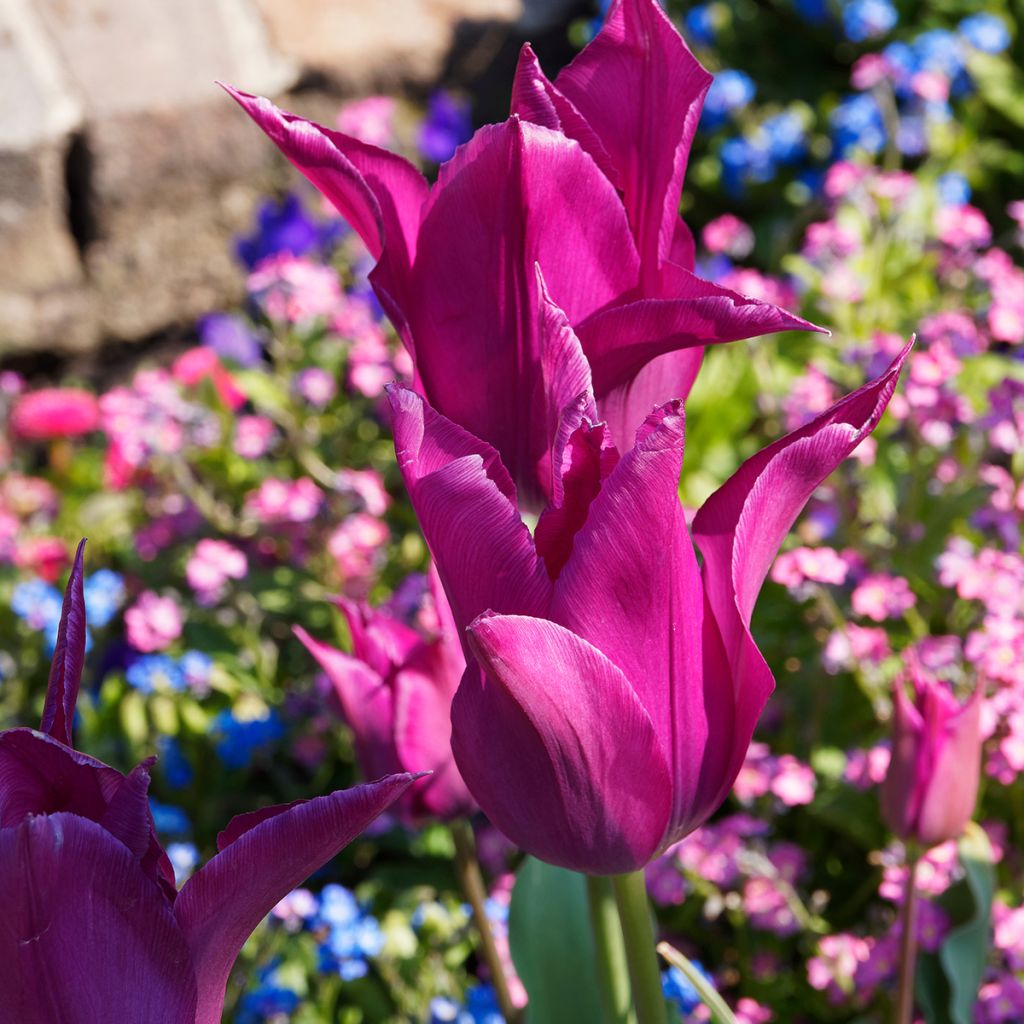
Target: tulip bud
column 930, row 789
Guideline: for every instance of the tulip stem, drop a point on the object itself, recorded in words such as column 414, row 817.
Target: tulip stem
column 638, row 932
column 467, row 867
column 908, row 946
column 612, row 966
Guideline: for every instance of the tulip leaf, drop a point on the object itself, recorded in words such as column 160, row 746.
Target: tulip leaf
column 947, row 981
column 552, row 945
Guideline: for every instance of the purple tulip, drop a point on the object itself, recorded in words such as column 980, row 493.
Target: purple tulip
column 583, row 182
column 929, row 792
column 612, row 685
column 93, row 929
column 396, row 691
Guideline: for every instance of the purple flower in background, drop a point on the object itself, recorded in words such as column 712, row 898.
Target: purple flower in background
column 447, row 125
column 231, row 338
column 94, row 928
column 285, row 227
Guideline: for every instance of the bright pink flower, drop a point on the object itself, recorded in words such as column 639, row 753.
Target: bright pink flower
column 868, row 70
column 316, row 386
column 395, row 691
column 211, row 565
column 867, row 768
column 254, row 436
column 94, row 927
column 728, row 234
column 295, row 290
column 842, row 177
column 200, row 363
column 367, row 486
column 792, row 782
column 880, row 596
column 371, row 120
column 618, row 770
column 810, row 394
column 930, row 789
column 153, row 622
column 45, row 556
column 284, row 501
column 817, row 565
column 356, row 547
column 930, row 86
column 574, row 195
column 962, row 227
column 54, row 412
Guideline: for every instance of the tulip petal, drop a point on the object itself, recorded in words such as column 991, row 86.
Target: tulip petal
column 506, row 203
column 68, row 658
column 632, row 589
column 221, row 904
column 740, row 527
column 466, row 507
column 85, row 936
column 537, row 100
column 366, row 704
column 379, row 639
column 641, row 90
column 559, row 752
column 619, row 341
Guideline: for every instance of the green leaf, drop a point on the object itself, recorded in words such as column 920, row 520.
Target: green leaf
column 552, row 946
column 947, row 983
column 1000, row 85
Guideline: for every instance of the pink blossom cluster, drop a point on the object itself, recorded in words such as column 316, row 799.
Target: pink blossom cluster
column 294, row 290
column 210, row 568
column 783, row 776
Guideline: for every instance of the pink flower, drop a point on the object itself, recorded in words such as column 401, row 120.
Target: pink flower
column 45, row 556
column 284, row 501
column 880, row 596
column 356, row 546
column 930, row 86
column 766, row 905
column 316, row 386
column 294, row 290
column 868, row 71
column 253, row 436
column 842, row 177
column 730, row 235
column 833, row 969
column 366, row 485
column 211, row 565
column 810, row 394
column 962, row 227
column 191, row 368
column 54, row 412
column 867, row 768
column 153, row 623
column 370, row 120
column 816, row 565
column 793, row 783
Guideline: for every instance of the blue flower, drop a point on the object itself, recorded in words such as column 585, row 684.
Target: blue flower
column 985, row 32
column 353, row 936
column 443, row 1010
column 868, row 19
column 197, row 668
column 785, row 133
column 237, row 740
column 104, row 592
column 857, row 123
column 939, row 50
column 700, row 24
column 155, row 672
column 447, row 125
column 953, row 189
column 231, row 338
column 269, row 1000
column 730, row 91
column 481, row 1006
column 183, row 857
column 285, row 227
column 37, row 603
column 679, row 990
column 176, row 769
column 168, row 819
column 814, row 11
column 746, row 161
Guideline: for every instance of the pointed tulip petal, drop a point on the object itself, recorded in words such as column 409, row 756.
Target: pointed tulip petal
column 466, row 507
column 559, row 752
column 85, row 936
column 221, row 904
column 641, row 90
column 632, row 588
column 366, row 704
column 68, row 658
column 619, row 341
column 379, row 639
column 740, row 527
column 503, row 205
column 537, row 100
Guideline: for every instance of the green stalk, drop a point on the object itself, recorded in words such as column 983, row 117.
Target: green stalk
column 638, row 932
column 612, row 968
column 720, row 1011
column 467, row 867
column 908, row 945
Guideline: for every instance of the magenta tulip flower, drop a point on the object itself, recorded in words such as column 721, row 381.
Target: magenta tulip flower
column 613, row 684
column 395, row 691
column 929, row 792
column 583, row 183
column 93, row 929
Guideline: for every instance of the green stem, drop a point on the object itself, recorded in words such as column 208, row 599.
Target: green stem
column 908, row 946
column 467, row 867
column 720, row 1011
column 638, row 932
column 612, row 968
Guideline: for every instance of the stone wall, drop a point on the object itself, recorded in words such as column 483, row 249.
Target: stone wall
column 124, row 170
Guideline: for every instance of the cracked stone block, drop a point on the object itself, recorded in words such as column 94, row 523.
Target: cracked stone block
column 353, row 45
